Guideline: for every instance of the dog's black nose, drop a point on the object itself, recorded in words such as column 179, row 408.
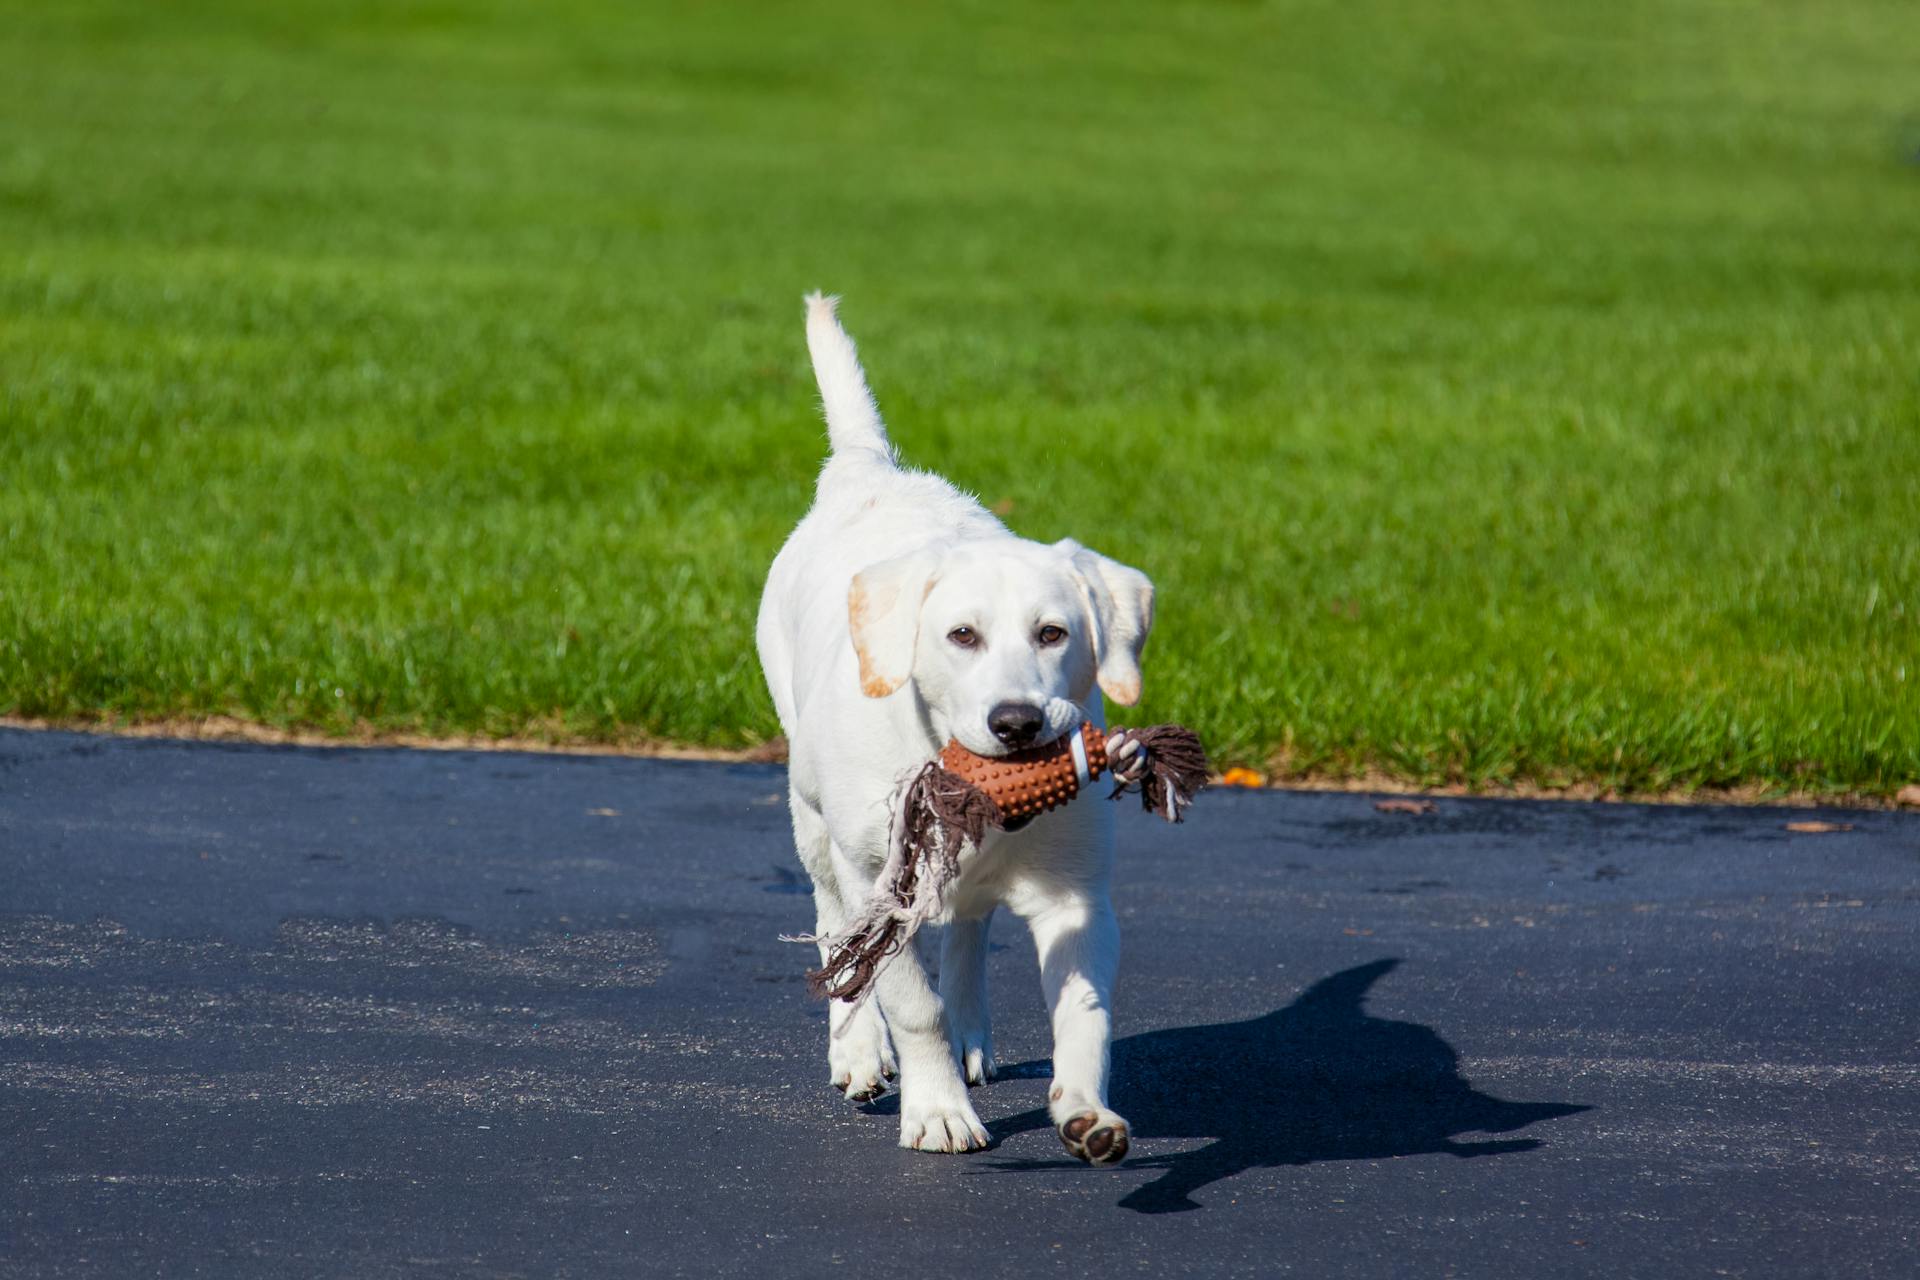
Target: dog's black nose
column 1015, row 723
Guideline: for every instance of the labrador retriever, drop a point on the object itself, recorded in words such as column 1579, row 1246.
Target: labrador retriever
column 900, row 614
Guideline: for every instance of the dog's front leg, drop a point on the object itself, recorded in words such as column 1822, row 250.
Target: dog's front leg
column 934, row 1112
column 1079, row 945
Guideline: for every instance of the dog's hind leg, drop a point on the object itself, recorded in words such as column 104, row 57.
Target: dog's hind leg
column 860, row 1056
column 1079, row 945
column 963, row 985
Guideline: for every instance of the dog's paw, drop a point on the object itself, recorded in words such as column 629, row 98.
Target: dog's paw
column 950, row 1128
column 1096, row 1135
column 973, row 1050
column 860, row 1058
column 976, row 1063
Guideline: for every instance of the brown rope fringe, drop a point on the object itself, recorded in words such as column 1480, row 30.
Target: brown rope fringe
column 939, row 814
column 1176, row 769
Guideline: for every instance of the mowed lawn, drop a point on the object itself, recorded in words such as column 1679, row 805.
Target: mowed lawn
column 1497, row 393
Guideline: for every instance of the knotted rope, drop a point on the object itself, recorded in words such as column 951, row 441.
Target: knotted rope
column 940, row 814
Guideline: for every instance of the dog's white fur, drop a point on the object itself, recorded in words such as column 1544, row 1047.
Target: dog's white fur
column 855, row 637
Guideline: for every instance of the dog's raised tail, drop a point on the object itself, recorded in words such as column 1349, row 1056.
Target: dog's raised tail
column 853, row 420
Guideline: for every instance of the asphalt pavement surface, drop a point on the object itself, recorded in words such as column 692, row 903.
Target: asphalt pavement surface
column 275, row 1011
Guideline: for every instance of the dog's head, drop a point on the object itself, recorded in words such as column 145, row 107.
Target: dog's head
column 1005, row 640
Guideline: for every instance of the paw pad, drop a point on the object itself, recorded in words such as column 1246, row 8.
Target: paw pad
column 1095, row 1138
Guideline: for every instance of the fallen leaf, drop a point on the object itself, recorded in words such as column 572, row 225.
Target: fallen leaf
column 1404, row 806
column 1908, row 795
column 1239, row 777
column 1004, row 507
column 604, row 813
column 1817, row 828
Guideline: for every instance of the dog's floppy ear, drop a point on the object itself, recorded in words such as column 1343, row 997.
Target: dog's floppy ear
column 1121, row 602
column 883, row 614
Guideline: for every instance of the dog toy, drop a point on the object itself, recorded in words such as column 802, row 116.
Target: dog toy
column 953, row 800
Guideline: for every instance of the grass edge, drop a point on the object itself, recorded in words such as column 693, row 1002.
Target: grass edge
column 1281, row 777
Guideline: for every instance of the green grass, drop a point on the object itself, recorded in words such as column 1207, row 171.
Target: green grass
column 1497, row 393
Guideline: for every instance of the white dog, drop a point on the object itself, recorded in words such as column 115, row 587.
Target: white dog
column 901, row 614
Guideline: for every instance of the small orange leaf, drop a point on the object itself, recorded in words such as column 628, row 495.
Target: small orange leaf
column 1003, row 507
column 1404, row 806
column 1239, row 777
column 1818, row 828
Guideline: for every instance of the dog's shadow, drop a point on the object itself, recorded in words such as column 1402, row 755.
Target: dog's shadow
column 1317, row 1080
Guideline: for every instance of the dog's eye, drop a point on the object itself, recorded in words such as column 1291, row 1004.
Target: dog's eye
column 1052, row 635
column 964, row 637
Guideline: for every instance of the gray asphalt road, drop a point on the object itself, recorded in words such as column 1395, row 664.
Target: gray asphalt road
column 275, row 1011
